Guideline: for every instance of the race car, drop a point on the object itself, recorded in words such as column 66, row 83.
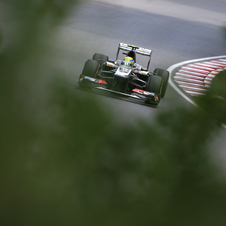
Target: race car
column 125, row 77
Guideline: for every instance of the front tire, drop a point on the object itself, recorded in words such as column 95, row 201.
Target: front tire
column 91, row 68
column 154, row 85
column 165, row 76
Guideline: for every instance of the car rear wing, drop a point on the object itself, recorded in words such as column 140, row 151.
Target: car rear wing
column 136, row 49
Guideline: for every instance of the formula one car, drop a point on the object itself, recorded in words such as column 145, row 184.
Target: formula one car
column 125, row 77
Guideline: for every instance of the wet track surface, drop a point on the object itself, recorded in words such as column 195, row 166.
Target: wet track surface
column 175, row 30
column 169, row 28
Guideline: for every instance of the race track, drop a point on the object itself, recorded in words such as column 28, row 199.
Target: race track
column 64, row 160
column 175, row 30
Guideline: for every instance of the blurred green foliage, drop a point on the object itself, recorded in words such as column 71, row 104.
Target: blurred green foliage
column 214, row 102
column 59, row 165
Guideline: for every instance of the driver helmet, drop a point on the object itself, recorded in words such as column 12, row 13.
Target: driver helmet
column 128, row 61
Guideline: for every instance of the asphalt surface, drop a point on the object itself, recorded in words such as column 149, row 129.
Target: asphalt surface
column 176, row 31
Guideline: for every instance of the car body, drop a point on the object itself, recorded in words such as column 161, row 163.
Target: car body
column 120, row 77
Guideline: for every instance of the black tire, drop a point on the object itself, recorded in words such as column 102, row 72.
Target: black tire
column 154, row 84
column 165, row 76
column 100, row 58
column 90, row 69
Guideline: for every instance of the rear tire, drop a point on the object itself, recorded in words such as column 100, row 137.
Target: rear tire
column 165, row 76
column 100, row 58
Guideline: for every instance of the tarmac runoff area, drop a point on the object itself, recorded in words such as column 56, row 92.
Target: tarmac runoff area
column 193, row 77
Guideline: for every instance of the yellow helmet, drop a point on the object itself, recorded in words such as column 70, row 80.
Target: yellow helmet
column 128, row 61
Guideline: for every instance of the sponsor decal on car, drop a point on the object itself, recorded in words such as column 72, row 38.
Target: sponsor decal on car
column 99, row 81
column 123, row 69
column 141, row 72
column 143, row 92
column 111, row 65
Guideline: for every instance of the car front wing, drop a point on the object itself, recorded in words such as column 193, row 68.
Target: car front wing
column 138, row 94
